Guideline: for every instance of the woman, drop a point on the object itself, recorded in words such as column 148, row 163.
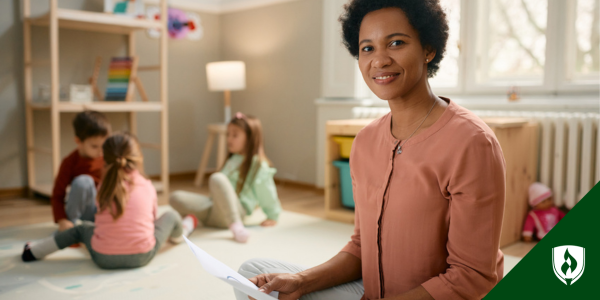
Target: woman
column 429, row 177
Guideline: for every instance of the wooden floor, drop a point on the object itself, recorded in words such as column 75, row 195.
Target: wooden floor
column 300, row 199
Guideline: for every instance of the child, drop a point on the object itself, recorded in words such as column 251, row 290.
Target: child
column 544, row 215
column 126, row 233
column 244, row 183
column 81, row 170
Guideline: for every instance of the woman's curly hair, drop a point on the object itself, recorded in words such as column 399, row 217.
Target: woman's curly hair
column 426, row 16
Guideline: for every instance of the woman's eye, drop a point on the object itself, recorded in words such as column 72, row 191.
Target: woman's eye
column 396, row 43
column 367, row 49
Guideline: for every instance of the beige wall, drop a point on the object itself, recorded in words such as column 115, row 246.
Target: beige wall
column 191, row 105
column 281, row 45
column 13, row 166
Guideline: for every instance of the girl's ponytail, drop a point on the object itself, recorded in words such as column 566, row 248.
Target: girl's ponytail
column 121, row 155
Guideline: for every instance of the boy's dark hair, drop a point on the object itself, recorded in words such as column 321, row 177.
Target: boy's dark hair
column 426, row 16
column 89, row 124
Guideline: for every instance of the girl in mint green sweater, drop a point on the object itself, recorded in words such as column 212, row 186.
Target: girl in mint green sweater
column 243, row 191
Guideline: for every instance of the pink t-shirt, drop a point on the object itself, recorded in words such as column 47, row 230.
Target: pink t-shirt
column 133, row 232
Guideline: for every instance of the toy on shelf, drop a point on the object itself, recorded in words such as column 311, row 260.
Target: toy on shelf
column 543, row 216
column 122, row 80
column 94, row 79
column 81, row 93
column 181, row 25
column 119, row 73
column 128, row 8
column 513, row 94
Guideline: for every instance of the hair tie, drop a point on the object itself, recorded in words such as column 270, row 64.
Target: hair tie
column 239, row 115
column 122, row 162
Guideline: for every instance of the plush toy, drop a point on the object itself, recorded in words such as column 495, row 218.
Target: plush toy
column 544, row 215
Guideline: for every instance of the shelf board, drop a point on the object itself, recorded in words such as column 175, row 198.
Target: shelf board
column 39, row 106
column 96, row 21
column 346, row 127
column 104, row 106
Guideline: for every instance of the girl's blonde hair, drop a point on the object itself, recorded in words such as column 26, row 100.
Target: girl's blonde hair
column 121, row 156
column 254, row 147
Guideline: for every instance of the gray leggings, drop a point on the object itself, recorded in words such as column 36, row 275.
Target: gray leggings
column 81, row 199
column 220, row 210
column 348, row 291
column 168, row 225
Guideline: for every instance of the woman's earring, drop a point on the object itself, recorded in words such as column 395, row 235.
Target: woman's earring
column 427, row 60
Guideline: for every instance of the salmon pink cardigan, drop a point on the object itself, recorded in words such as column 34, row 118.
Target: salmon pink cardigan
column 432, row 215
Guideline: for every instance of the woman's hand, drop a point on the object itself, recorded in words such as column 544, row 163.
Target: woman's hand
column 288, row 285
column 342, row 268
column 268, row 223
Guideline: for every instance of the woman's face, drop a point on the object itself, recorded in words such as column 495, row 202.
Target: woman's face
column 391, row 58
column 236, row 139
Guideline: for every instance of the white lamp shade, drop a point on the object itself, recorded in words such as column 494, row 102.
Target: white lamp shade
column 226, row 75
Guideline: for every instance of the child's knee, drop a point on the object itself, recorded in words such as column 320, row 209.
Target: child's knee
column 217, row 178
column 173, row 215
column 83, row 181
column 176, row 197
column 170, row 216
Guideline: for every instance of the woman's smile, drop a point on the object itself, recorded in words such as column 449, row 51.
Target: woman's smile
column 383, row 78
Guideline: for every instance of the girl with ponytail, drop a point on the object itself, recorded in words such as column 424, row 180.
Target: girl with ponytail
column 243, row 191
column 126, row 232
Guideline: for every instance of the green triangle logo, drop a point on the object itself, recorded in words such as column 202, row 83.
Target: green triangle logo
column 565, row 264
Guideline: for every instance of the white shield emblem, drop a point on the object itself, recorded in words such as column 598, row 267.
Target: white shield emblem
column 568, row 263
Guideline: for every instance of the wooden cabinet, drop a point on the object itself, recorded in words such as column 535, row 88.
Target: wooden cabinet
column 518, row 139
column 333, row 206
column 519, row 142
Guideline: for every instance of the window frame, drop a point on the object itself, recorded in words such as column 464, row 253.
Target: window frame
column 560, row 19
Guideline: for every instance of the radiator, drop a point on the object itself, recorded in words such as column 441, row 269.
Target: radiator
column 569, row 158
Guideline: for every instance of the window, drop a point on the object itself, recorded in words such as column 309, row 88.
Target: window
column 583, row 55
column 448, row 74
column 541, row 46
column 511, row 42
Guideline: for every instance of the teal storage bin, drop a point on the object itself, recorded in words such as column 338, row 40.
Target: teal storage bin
column 345, row 182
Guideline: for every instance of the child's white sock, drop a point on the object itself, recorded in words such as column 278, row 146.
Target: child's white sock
column 240, row 233
column 43, row 247
column 188, row 225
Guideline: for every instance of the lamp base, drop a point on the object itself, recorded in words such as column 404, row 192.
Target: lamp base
column 227, row 114
column 227, row 98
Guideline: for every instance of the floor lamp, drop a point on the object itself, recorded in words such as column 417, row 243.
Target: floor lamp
column 224, row 76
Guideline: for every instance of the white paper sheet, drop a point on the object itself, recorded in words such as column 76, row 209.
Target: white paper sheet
column 225, row 273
